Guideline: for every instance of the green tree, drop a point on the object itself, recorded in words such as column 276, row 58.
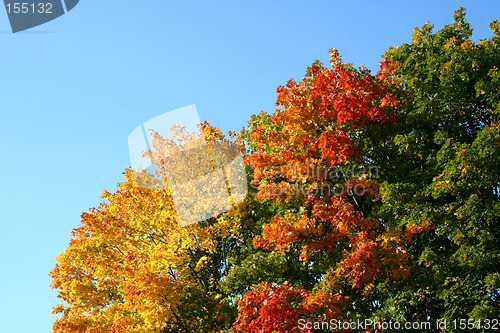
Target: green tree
column 440, row 166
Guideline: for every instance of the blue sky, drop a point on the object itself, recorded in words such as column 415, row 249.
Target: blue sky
column 73, row 89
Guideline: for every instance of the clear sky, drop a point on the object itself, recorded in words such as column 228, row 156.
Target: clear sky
column 73, row 89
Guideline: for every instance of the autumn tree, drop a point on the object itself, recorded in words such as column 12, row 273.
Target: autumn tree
column 371, row 197
column 132, row 267
column 416, row 240
column 306, row 157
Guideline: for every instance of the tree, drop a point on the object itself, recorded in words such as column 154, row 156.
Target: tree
column 131, row 266
column 421, row 242
column 372, row 197
column 441, row 169
column 306, row 157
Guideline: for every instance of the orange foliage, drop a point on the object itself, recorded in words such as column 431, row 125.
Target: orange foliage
column 296, row 153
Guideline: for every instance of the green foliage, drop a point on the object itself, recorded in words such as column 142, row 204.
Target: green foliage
column 445, row 145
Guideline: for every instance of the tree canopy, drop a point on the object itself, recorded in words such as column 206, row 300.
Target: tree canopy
column 370, row 197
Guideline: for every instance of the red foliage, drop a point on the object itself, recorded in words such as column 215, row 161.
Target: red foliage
column 314, row 131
